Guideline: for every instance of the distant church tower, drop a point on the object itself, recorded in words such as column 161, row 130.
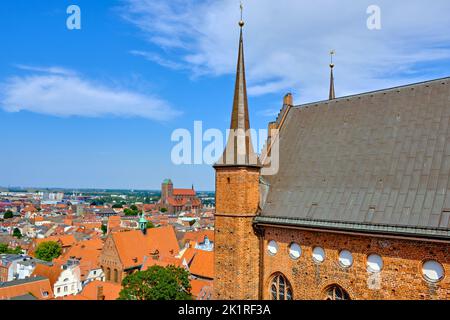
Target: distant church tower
column 236, row 252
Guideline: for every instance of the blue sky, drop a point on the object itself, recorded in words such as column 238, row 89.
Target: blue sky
column 96, row 107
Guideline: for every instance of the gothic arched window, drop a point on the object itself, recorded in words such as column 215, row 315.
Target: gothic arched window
column 335, row 292
column 108, row 274
column 280, row 288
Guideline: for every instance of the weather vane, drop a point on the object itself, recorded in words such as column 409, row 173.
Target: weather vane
column 332, row 53
column 241, row 23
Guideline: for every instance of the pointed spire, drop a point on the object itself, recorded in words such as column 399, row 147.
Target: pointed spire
column 239, row 149
column 332, row 92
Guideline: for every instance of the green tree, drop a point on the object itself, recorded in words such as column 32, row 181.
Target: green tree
column 129, row 212
column 157, row 283
column 8, row 214
column 150, row 225
column 117, row 206
column 104, row 229
column 17, row 233
column 163, row 210
column 48, row 250
column 5, row 249
column 134, row 207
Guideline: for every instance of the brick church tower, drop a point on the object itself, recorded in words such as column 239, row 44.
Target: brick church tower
column 237, row 203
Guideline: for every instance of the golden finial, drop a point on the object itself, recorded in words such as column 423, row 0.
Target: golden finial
column 332, row 53
column 241, row 23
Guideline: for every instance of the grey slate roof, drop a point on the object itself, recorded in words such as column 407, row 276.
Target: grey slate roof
column 378, row 160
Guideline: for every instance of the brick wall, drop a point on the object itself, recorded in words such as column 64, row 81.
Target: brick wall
column 110, row 261
column 236, row 248
column 401, row 277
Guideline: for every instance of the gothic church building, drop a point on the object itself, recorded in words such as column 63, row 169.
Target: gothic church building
column 359, row 208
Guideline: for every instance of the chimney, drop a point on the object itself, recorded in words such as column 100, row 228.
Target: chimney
column 288, row 100
column 100, row 295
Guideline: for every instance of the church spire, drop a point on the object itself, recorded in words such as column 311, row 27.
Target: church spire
column 332, row 93
column 239, row 149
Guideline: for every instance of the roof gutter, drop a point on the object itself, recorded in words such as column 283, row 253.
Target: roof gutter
column 382, row 231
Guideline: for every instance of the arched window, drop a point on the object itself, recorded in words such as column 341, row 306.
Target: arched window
column 280, row 289
column 336, row 292
column 108, row 274
column 116, row 276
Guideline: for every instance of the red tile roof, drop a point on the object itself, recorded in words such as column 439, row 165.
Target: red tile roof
column 183, row 192
column 133, row 246
column 37, row 288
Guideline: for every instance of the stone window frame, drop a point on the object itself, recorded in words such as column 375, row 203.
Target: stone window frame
column 353, row 259
column 329, row 292
column 274, row 282
column 428, row 280
column 289, row 249
column 324, row 255
column 277, row 246
column 367, row 260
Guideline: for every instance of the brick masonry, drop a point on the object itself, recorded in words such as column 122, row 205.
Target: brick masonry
column 236, row 245
column 400, row 278
column 110, row 262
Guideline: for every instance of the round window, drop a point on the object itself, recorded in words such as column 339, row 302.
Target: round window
column 374, row 263
column 345, row 258
column 433, row 271
column 272, row 248
column 295, row 251
column 318, row 255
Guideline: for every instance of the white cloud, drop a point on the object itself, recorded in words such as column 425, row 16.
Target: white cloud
column 60, row 92
column 287, row 42
column 52, row 70
column 154, row 57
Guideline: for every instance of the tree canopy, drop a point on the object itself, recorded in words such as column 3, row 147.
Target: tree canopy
column 17, row 233
column 5, row 249
column 8, row 214
column 48, row 251
column 157, row 283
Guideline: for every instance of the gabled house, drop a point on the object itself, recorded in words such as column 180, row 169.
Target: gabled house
column 125, row 252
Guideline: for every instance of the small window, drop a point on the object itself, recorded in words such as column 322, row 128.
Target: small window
column 374, row 263
column 295, row 251
column 58, row 290
column 272, row 248
column 433, row 271
column 345, row 259
column 65, row 288
column 318, row 255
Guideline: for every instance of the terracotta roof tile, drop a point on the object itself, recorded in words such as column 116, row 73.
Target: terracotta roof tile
column 39, row 287
column 133, row 246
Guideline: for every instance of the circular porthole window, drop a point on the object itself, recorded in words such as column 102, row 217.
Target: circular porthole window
column 374, row 263
column 345, row 259
column 295, row 251
column 433, row 271
column 272, row 248
column 318, row 255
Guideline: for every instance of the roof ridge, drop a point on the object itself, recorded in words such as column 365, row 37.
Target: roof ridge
column 405, row 86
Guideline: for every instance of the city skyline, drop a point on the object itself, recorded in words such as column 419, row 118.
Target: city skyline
column 118, row 87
